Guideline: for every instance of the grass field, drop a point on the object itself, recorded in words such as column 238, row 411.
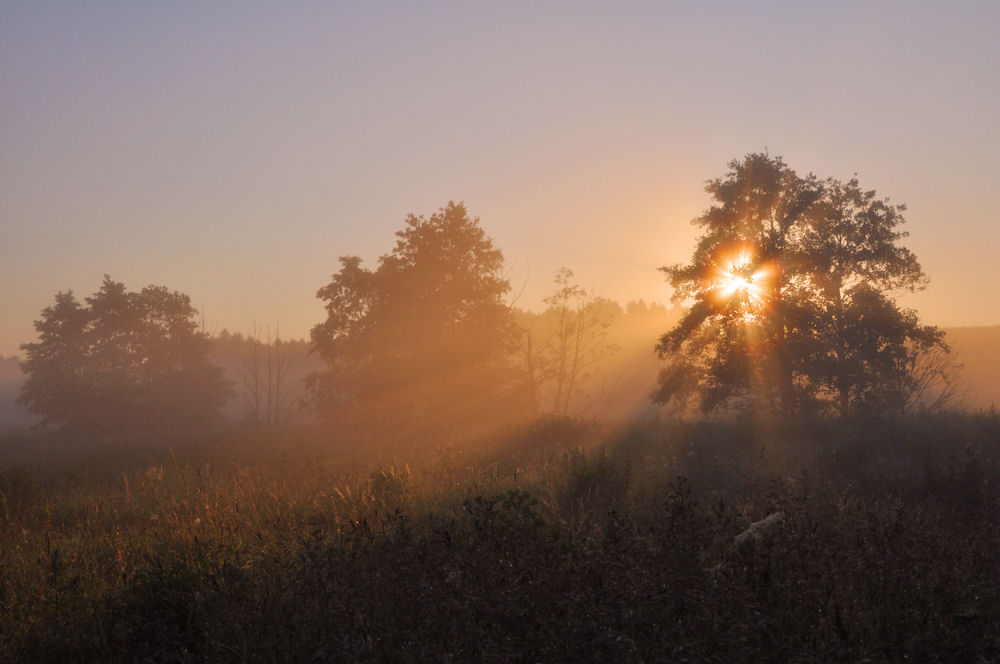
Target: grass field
column 565, row 541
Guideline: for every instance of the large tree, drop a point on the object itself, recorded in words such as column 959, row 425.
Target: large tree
column 791, row 297
column 122, row 362
column 850, row 263
column 724, row 348
column 421, row 343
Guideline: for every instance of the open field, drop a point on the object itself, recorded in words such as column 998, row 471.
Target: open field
column 639, row 332
column 565, row 541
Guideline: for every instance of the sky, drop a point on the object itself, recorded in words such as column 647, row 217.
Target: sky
column 233, row 151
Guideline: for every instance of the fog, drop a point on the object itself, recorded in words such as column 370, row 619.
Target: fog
column 512, row 332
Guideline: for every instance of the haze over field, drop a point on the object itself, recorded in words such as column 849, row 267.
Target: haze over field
column 447, row 331
column 233, row 153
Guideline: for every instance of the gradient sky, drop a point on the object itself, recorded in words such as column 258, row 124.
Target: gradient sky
column 234, row 151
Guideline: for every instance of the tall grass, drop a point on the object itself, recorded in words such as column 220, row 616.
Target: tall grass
column 566, row 541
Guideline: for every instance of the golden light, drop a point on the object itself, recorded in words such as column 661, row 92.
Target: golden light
column 734, row 282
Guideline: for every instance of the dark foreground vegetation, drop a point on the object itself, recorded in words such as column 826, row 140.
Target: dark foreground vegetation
column 565, row 541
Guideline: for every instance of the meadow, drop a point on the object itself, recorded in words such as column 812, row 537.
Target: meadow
column 561, row 541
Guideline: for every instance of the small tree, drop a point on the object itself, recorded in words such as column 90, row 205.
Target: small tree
column 123, row 361
column 932, row 380
column 272, row 380
column 561, row 348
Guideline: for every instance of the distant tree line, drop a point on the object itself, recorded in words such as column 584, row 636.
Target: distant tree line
column 789, row 309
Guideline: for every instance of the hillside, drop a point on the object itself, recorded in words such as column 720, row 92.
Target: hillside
column 978, row 349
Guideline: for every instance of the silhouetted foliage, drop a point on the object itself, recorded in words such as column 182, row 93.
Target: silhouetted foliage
column 121, row 362
column 424, row 340
column 792, row 289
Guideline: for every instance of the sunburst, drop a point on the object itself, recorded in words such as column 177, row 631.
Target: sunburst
column 735, row 283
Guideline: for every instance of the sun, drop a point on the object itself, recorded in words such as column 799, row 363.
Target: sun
column 735, row 282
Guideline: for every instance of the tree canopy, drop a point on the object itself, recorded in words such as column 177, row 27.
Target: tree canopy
column 121, row 361
column 791, row 297
column 423, row 341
